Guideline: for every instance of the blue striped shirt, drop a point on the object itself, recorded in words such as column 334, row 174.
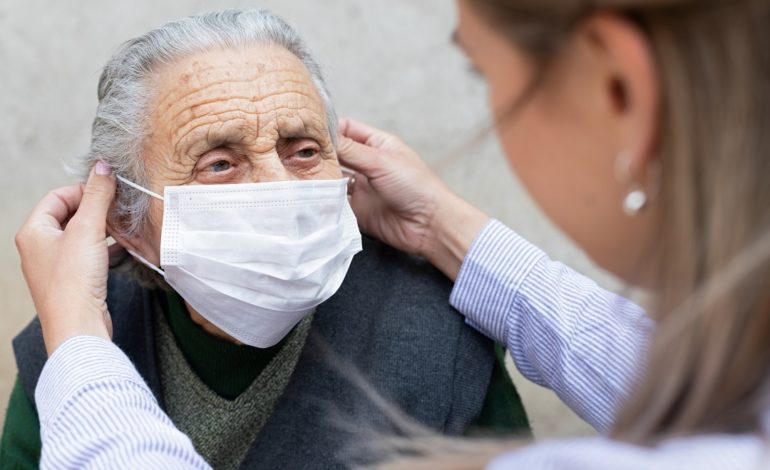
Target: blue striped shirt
column 563, row 331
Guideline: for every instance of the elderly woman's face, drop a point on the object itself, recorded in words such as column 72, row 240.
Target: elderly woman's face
column 235, row 116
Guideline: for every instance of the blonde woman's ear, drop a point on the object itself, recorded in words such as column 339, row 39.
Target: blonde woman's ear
column 629, row 89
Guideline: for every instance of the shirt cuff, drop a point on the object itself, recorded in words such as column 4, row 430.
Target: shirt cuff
column 493, row 270
column 78, row 365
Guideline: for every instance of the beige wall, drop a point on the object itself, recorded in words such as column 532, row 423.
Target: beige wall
column 388, row 62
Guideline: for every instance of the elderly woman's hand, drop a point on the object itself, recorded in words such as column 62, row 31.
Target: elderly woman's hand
column 64, row 257
column 399, row 200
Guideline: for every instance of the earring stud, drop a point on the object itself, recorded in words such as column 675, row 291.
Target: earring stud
column 635, row 202
column 636, row 198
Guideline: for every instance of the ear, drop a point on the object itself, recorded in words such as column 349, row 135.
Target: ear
column 630, row 85
column 137, row 243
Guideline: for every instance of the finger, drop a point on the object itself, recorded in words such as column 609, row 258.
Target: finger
column 363, row 133
column 98, row 193
column 56, row 208
column 359, row 157
column 361, row 198
column 351, row 176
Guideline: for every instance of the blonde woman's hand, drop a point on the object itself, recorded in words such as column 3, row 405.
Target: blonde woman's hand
column 64, row 258
column 400, row 200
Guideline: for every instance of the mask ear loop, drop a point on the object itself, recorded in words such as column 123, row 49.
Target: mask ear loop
column 147, row 263
column 132, row 252
column 139, row 188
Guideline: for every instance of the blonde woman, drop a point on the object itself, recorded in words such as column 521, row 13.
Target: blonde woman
column 641, row 127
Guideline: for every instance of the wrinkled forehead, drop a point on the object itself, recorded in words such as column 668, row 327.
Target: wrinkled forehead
column 259, row 92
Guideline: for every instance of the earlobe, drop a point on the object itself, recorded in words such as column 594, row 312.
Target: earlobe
column 114, row 232
column 135, row 244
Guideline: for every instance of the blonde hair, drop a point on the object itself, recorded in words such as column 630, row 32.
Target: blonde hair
column 707, row 368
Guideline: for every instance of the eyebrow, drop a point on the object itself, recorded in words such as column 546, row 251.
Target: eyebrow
column 295, row 130
column 193, row 144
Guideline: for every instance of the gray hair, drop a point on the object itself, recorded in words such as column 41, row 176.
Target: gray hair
column 120, row 125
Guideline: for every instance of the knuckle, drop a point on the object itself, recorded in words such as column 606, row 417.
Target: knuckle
column 52, row 195
column 25, row 240
column 76, row 226
column 343, row 144
column 20, row 239
column 396, row 141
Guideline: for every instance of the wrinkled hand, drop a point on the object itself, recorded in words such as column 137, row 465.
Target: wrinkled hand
column 400, row 200
column 64, row 258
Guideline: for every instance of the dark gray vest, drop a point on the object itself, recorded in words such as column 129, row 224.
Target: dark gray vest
column 390, row 319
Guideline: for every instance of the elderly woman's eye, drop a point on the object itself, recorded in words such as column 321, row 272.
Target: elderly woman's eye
column 221, row 165
column 307, row 153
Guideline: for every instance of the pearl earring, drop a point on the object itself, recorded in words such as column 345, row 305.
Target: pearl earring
column 636, row 198
column 635, row 201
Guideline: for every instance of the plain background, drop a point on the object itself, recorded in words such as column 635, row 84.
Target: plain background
column 388, row 62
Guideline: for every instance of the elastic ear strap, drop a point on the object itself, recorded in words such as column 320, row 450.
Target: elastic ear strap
column 147, row 263
column 139, row 188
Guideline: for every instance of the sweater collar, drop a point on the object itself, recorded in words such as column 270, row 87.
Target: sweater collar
column 226, row 368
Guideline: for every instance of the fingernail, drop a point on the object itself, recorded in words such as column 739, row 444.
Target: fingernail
column 102, row 168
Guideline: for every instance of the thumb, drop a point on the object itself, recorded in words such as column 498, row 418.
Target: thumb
column 98, row 194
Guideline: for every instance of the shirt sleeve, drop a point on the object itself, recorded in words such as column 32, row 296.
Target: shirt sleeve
column 564, row 332
column 96, row 411
column 706, row 452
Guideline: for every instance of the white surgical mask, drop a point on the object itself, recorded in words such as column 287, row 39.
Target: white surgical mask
column 254, row 259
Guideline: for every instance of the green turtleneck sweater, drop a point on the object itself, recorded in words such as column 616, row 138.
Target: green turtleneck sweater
column 228, row 370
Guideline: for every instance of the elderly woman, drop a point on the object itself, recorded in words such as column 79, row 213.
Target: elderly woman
column 225, row 305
